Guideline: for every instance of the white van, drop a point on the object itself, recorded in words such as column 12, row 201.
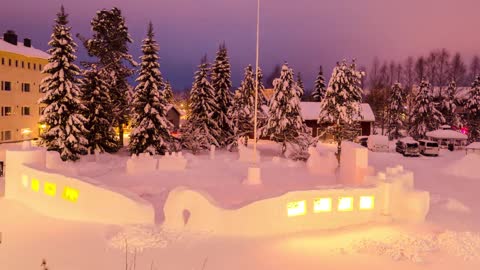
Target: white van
column 428, row 148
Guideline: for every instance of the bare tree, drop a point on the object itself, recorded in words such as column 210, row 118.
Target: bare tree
column 443, row 62
column 458, row 70
column 431, row 68
column 409, row 73
column 399, row 72
column 392, row 70
column 420, row 69
column 474, row 68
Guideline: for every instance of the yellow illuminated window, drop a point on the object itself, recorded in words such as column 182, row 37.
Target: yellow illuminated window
column 70, row 194
column 35, row 184
column 50, row 188
column 25, row 181
column 296, row 208
column 345, row 204
column 322, row 205
column 367, row 202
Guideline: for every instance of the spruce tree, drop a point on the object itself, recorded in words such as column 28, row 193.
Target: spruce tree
column 201, row 130
column 448, row 105
column 110, row 45
column 301, row 87
column 341, row 105
column 98, row 105
column 285, row 122
column 319, row 89
column 262, row 100
column 424, row 116
column 150, row 133
column 396, row 111
column 472, row 109
column 221, row 83
column 169, row 92
column 62, row 115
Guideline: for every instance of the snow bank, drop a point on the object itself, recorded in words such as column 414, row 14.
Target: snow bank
column 325, row 164
column 145, row 163
column 467, row 167
column 247, row 155
column 353, row 164
column 172, row 162
column 54, row 194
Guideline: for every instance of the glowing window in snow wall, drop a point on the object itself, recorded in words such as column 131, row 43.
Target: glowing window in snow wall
column 296, row 208
column 70, row 194
column 345, row 204
column 35, row 184
column 367, row 202
column 322, row 205
column 50, row 189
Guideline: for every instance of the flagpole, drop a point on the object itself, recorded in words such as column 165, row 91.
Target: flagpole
column 255, row 121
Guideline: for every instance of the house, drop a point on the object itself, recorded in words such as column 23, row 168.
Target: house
column 473, row 148
column 20, row 76
column 311, row 111
column 445, row 136
column 174, row 116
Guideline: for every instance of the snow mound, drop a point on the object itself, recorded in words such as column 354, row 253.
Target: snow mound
column 416, row 248
column 456, row 206
column 466, row 167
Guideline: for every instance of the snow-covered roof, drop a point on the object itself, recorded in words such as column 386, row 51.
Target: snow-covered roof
column 22, row 50
column 446, row 134
column 171, row 106
column 311, row 111
column 474, row 145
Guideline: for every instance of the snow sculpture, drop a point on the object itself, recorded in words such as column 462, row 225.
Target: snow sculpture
column 321, row 165
column 392, row 197
column 143, row 163
column 53, row 194
column 172, row 162
column 247, row 155
column 353, row 164
column 54, row 162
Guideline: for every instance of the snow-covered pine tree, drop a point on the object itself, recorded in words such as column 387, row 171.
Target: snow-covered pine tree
column 301, row 87
column 319, row 89
column 448, row 105
column 221, row 83
column 424, row 116
column 285, row 122
column 96, row 99
column 169, row 92
column 242, row 110
column 201, row 130
column 62, row 115
column 396, row 111
column 150, row 127
column 262, row 100
column 341, row 104
column 472, row 108
column 110, row 45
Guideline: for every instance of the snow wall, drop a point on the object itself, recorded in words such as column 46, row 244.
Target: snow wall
column 392, row 197
column 69, row 197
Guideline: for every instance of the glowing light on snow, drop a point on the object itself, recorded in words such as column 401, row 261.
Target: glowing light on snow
column 70, row 194
column 25, row 181
column 50, row 188
column 367, row 202
column 26, row 131
column 322, row 205
column 345, row 204
column 296, row 208
column 35, row 184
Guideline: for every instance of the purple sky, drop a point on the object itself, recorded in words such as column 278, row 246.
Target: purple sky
column 306, row 33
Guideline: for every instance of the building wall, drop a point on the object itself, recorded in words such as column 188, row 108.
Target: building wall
column 366, row 127
column 174, row 117
column 20, row 70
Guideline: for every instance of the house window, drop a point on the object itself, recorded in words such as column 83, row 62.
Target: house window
column 26, row 111
column 9, row 62
column 23, row 64
column 6, row 86
column 6, row 111
column 6, row 135
column 40, row 67
column 25, row 87
column 3, row 61
column 34, row 66
column 28, row 65
column 16, row 63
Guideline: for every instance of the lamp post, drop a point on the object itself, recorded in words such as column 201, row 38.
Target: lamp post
column 255, row 121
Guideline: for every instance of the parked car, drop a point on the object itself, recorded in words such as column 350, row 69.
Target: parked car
column 378, row 143
column 429, row 148
column 362, row 140
column 408, row 147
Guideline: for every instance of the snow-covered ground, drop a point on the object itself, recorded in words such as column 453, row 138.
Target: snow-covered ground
column 449, row 239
